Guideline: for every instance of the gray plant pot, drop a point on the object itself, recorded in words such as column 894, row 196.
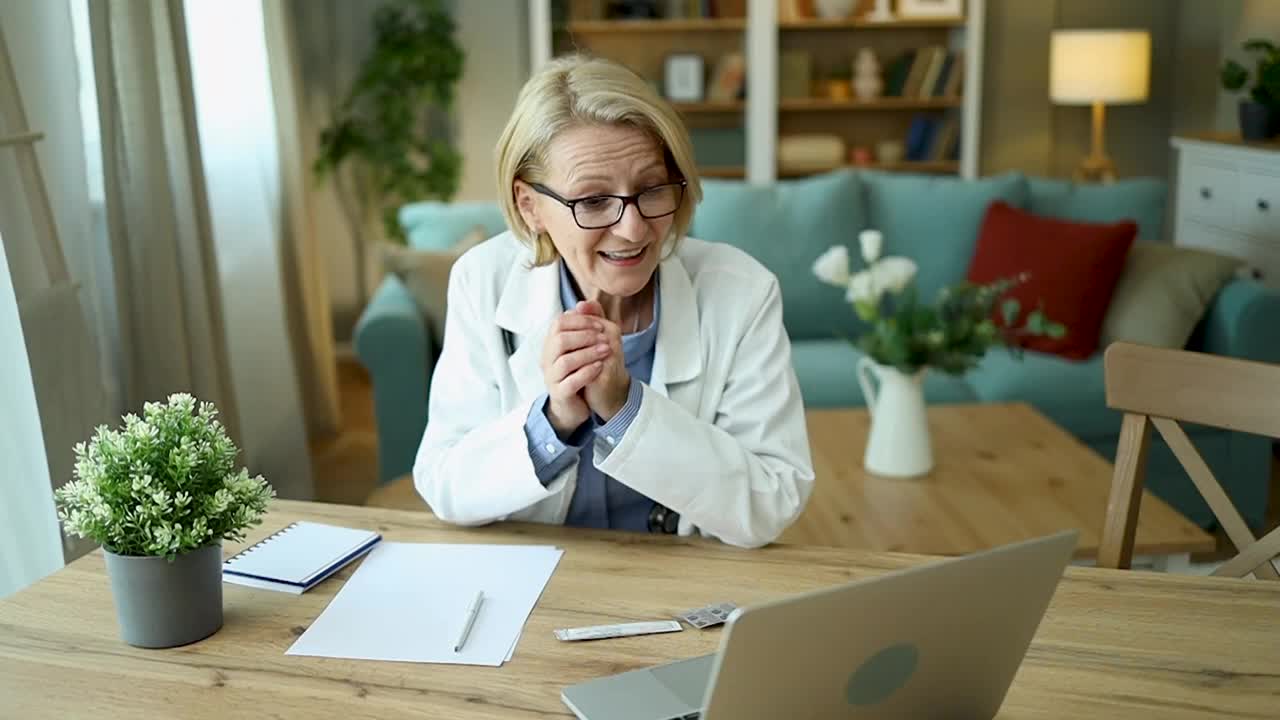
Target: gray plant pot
column 1258, row 121
column 163, row 604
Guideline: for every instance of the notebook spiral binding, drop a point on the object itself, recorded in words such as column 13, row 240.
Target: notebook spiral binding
column 261, row 542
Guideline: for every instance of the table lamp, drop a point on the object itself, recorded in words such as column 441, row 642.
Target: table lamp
column 1099, row 67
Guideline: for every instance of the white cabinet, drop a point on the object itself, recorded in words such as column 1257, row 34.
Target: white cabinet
column 1228, row 201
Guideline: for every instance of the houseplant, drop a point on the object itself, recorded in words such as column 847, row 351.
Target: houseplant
column 160, row 495
column 907, row 336
column 1260, row 112
column 393, row 125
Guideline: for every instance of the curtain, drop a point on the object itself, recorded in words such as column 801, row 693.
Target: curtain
column 29, row 540
column 305, row 284
column 52, row 391
column 167, row 290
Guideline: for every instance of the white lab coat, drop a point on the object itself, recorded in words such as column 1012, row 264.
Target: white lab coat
column 720, row 437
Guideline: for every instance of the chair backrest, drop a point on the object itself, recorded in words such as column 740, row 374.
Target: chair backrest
column 1160, row 388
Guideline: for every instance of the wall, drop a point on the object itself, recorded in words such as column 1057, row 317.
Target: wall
column 1022, row 130
column 1243, row 20
column 495, row 37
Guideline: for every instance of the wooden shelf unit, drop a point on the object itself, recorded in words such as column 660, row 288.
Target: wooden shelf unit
column 860, row 24
column 884, row 103
column 585, row 27
column 938, row 167
column 732, row 172
column 731, row 106
column 764, row 118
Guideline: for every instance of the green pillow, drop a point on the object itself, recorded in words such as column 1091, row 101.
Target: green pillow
column 1163, row 293
column 1141, row 200
column 935, row 220
column 786, row 226
column 435, row 225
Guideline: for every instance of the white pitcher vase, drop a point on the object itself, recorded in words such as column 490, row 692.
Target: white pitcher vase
column 898, row 446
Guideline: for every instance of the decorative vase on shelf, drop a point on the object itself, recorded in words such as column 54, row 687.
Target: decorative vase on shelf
column 898, row 445
column 867, row 84
column 834, row 9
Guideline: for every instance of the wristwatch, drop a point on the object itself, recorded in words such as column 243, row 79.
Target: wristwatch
column 663, row 519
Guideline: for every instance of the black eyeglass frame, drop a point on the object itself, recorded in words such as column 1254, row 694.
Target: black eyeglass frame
column 633, row 199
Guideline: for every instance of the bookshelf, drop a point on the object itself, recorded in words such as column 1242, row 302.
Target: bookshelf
column 740, row 137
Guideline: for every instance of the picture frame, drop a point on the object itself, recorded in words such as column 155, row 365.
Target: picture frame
column 930, row 8
column 684, row 77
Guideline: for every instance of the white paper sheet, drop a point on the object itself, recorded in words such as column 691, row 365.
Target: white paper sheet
column 408, row 602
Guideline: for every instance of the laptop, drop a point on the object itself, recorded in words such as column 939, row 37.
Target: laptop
column 942, row 639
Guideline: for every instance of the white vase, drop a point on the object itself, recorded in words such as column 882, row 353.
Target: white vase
column 898, row 445
column 834, row 9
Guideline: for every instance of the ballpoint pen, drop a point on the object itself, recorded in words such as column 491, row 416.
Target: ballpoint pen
column 471, row 620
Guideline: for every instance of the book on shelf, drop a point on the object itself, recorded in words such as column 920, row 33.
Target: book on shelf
column 915, row 77
column 937, row 56
column 932, row 139
column 896, row 74
column 955, row 81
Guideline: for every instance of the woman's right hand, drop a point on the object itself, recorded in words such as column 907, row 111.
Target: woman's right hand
column 572, row 357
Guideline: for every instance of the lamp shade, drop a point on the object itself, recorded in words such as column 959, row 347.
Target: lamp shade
column 1109, row 66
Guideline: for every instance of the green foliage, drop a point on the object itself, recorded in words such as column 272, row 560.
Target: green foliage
column 389, row 121
column 953, row 333
column 164, row 485
column 1266, row 86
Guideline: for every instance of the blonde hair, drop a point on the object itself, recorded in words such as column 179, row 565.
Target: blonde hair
column 579, row 90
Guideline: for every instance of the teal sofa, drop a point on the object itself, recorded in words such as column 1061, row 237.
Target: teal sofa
column 933, row 220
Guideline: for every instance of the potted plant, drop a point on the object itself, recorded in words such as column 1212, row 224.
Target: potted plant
column 394, row 122
column 1260, row 112
column 908, row 336
column 160, row 495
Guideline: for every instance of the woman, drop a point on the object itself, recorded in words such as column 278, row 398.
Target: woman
column 598, row 368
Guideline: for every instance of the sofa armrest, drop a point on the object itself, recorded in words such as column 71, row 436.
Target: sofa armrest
column 1241, row 322
column 395, row 346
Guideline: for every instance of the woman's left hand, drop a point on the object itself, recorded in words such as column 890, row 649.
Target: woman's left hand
column 607, row 394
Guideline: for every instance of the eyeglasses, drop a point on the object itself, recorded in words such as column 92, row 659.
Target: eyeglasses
column 602, row 211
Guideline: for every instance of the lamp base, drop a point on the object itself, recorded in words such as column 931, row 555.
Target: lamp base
column 1096, row 169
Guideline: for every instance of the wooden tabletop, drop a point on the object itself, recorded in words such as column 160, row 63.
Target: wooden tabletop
column 1114, row 644
column 1002, row 473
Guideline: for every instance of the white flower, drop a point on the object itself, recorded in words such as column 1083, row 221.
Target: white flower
column 892, row 274
column 861, row 288
column 833, row 266
column 872, row 241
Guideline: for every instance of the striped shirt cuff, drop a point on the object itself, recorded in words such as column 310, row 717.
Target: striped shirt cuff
column 610, row 434
column 549, row 454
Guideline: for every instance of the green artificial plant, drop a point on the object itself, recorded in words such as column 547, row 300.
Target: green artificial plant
column 1266, row 76
column 390, row 121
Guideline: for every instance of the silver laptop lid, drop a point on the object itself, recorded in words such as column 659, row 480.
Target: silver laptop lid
column 937, row 640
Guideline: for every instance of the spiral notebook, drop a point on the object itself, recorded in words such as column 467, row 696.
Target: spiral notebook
column 298, row 557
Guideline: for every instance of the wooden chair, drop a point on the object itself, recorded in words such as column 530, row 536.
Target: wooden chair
column 1162, row 387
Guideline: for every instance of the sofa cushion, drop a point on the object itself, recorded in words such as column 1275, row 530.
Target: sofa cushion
column 439, row 226
column 1141, row 200
column 425, row 274
column 826, row 371
column 1163, row 293
column 1071, row 394
column 935, row 220
column 786, row 226
column 1071, row 271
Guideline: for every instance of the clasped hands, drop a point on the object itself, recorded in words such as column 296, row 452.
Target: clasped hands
column 584, row 369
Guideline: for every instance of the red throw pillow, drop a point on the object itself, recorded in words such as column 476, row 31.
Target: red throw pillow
column 1073, row 269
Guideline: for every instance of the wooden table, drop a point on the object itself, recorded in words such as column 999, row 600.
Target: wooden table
column 1114, row 644
column 1002, row 473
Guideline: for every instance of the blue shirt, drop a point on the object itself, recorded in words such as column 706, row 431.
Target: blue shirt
column 599, row 501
